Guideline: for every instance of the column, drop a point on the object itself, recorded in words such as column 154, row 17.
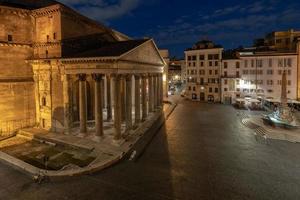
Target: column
column 37, row 99
column 161, row 92
column 144, row 98
column 66, row 99
column 123, row 98
column 82, row 105
column 117, row 109
column 108, row 96
column 156, row 91
column 150, row 89
column 98, row 106
column 137, row 99
column 128, row 102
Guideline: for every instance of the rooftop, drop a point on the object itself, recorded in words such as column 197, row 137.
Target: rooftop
column 111, row 49
column 204, row 44
column 28, row 4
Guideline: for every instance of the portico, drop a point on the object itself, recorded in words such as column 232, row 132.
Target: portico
column 119, row 83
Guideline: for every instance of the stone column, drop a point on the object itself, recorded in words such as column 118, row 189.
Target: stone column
column 108, row 96
column 117, row 109
column 67, row 107
column 82, row 105
column 123, row 98
column 161, row 92
column 98, row 106
column 137, row 100
column 144, row 98
column 150, row 89
column 37, row 99
column 155, row 91
column 129, row 102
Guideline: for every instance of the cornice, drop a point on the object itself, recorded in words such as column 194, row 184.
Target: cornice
column 46, row 10
column 16, row 11
column 46, row 44
column 8, row 44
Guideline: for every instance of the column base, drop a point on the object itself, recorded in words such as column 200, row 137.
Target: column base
column 96, row 138
column 81, row 135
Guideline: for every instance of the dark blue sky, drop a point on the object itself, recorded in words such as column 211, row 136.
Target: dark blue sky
column 177, row 24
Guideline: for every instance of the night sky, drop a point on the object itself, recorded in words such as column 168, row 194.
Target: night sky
column 177, row 24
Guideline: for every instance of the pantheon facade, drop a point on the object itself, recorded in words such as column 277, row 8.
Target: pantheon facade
column 60, row 70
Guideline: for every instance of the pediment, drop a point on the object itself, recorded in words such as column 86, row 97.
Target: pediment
column 145, row 53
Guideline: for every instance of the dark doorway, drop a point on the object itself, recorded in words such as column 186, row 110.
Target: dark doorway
column 202, row 96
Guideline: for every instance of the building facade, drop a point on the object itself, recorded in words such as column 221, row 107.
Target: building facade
column 56, row 77
column 203, row 65
column 256, row 74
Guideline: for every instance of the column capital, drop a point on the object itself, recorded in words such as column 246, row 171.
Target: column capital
column 97, row 77
column 128, row 77
column 137, row 75
column 82, row 77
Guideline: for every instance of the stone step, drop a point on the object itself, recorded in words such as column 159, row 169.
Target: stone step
column 25, row 134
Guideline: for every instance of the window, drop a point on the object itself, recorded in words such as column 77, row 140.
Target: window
column 237, row 82
column 202, row 57
column 194, row 57
column 210, row 89
column 54, row 36
column 202, row 64
column 280, row 62
column 246, row 63
column 9, row 38
column 216, row 63
column 225, row 65
column 216, row 90
column 289, row 62
column 279, row 82
column 225, row 74
column 201, row 81
column 210, row 63
column 237, row 73
column 269, row 82
column 269, row 71
column 210, row 56
column 190, row 88
column 44, row 101
column 279, row 72
column 194, row 88
column 216, row 72
column 237, row 64
column 210, row 72
column 278, row 41
column 289, row 72
column 289, row 82
column 259, row 63
column 270, row 91
column 287, row 41
column 252, row 63
column 189, row 58
column 270, row 63
column 47, row 53
column 48, row 38
column 225, row 89
column 245, row 71
column 225, row 82
column 216, row 56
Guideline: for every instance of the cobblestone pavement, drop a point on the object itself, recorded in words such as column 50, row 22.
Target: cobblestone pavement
column 202, row 152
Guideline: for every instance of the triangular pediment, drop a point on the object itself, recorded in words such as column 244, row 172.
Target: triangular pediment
column 145, row 53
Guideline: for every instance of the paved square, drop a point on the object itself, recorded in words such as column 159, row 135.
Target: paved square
column 202, row 152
